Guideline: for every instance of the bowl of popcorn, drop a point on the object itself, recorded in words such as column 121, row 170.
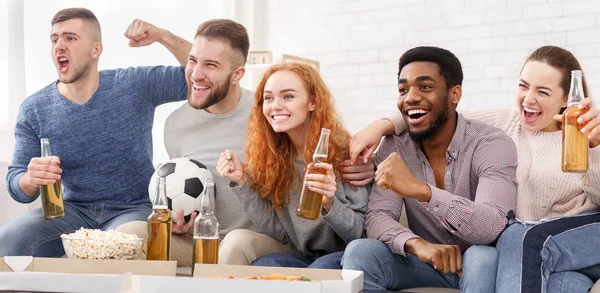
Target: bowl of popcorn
column 98, row 244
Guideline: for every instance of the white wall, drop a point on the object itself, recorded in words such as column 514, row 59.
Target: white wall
column 114, row 17
column 358, row 43
column 12, row 75
column 3, row 63
column 4, row 134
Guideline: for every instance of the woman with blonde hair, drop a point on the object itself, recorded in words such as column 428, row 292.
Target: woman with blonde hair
column 292, row 105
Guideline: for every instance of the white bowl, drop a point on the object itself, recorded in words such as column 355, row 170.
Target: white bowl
column 84, row 248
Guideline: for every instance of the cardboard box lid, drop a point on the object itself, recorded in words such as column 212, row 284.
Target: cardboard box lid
column 324, row 281
column 160, row 284
column 68, row 283
column 207, row 270
column 87, row 266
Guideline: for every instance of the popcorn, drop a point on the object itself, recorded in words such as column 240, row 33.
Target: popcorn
column 98, row 244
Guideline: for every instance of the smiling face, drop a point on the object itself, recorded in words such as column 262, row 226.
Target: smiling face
column 424, row 99
column 286, row 103
column 73, row 50
column 208, row 72
column 539, row 96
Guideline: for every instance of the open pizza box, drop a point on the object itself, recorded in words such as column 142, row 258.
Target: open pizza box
column 26, row 273
column 322, row 281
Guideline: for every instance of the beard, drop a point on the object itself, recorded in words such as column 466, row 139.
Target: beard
column 439, row 121
column 217, row 94
column 79, row 71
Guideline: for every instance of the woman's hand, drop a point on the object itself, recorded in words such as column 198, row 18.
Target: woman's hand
column 590, row 120
column 230, row 167
column 323, row 184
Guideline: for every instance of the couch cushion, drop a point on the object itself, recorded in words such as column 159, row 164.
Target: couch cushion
column 9, row 207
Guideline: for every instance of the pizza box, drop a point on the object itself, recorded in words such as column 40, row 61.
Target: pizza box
column 322, row 281
column 26, row 273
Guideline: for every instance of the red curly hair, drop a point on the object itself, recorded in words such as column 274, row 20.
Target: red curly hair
column 270, row 155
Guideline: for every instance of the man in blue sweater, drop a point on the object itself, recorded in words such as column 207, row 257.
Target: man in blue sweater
column 99, row 124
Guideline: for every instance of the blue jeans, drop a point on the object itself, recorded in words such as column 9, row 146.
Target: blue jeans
column 33, row 235
column 384, row 270
column 480, row 265
column 298, row 260
column 559, row 255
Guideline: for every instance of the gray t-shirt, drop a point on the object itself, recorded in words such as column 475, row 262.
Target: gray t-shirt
column 203, row 136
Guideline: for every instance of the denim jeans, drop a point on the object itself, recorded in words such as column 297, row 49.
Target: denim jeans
column 559, row 255
column 480, row 265
column 33, row 235
column 298, row 260
column 384, row 270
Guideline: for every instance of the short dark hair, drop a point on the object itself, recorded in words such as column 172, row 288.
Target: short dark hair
column 229, row 31
column 78, row 13
column 447, row 62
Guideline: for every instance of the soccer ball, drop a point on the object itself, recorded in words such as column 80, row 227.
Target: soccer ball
column 185, row 183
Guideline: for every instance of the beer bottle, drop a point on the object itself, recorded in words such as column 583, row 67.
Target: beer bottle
column 158, row 244
column 310, row 202
column 206, row 228
column 575, row 144
column 52, row 194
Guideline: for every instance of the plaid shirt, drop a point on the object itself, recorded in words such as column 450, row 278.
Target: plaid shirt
column 480, row 182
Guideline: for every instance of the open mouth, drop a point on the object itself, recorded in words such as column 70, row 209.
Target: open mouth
column 200, row 88
column 280, row 117
column 416, row 116
column 530, row 115
column 63, row 64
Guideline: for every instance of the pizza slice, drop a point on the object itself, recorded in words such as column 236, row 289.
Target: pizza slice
column 271, row 277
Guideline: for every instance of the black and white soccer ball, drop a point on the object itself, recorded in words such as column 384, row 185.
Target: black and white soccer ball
column 185, row 183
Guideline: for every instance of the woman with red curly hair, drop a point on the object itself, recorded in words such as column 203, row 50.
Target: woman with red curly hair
column 292, row 104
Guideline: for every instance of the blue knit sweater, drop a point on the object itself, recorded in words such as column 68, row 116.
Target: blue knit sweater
column 105, row 145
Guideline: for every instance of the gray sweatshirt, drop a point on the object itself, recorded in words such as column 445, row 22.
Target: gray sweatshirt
column 327, row 234
column 203, row 136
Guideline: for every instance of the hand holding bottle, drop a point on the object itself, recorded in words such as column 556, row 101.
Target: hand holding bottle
column 315, row 195
column 231, row 168
column 42, row 171
column 590, row 119
column 575, row 141
column 323, row 184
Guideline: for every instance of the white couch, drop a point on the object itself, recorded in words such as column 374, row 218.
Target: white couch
column 9, row 208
